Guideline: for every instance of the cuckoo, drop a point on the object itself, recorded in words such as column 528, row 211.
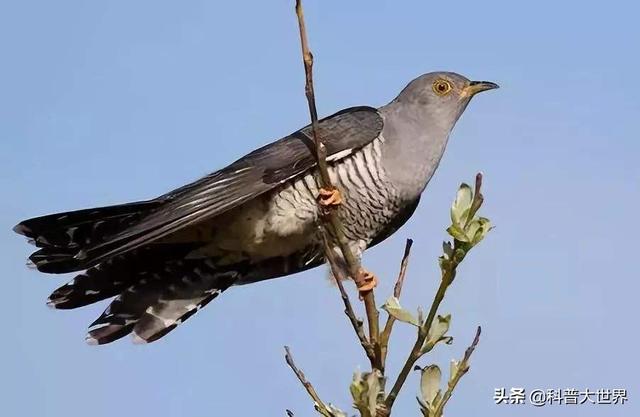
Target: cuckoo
column 162, row 260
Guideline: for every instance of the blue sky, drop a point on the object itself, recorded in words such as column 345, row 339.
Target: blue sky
column 106, row 102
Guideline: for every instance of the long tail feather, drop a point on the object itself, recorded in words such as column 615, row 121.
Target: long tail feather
column 122, row 314
column 179, row 302
column 155, row 306
column 62, row 236
column 115, row 275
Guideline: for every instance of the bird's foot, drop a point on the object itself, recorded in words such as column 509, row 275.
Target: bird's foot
column 365, row 281
column 329, row 197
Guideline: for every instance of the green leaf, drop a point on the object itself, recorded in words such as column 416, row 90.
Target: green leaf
column 374, row 388
column 447, row 249
column 424, row 408
column 461, row 205
column 457, row 233
column 484, row 226
column 471, row 230
column 357, row 387
column 453, row 368
column 444, row 263
column 430, row 384
column 335, row 411
column 439, row 328
column 365, row 389
column 392, row 306
column 459, row 255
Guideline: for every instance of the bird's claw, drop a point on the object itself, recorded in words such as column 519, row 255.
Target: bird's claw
column 365, row 281
column 329, row 197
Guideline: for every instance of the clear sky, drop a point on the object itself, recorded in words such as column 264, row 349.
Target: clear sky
column 106, row 102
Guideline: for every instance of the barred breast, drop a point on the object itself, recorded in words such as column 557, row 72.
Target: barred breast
column 284, row 221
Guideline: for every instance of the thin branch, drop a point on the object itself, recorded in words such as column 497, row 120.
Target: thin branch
column 478, row 199
column 448, row 275
column 461, row 370
column 348, row 308
column 307, row 57
column 330, row 220
column 416, row 351
column 397, row 289
column 318, row 404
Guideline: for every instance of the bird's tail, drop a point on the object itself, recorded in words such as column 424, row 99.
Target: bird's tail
column 156, row 287
column 116, row 275
column 61, row 236
column 152, row 298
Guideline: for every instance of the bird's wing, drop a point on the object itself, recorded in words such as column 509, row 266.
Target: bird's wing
column 243, row 180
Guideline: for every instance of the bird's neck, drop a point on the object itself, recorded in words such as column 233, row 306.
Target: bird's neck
column 415, row 141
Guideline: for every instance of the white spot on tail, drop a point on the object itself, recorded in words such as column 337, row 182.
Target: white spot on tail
column 71, row 231
column 92, row 341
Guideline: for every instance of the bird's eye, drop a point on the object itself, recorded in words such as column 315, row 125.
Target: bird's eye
column 442, row 87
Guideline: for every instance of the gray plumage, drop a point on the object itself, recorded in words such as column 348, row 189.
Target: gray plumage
column 256, row 219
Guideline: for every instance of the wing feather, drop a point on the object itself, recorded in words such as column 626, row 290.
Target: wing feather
column 243, row 180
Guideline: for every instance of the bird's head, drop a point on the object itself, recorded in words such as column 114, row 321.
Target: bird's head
column 442, row 95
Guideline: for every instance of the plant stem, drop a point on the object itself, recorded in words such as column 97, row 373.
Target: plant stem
column 330, row 220
column 397, row 289
column 423, row 332
column 318, row 403
column 348, row 308
column 461, row 370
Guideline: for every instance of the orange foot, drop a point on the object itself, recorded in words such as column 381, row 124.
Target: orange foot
column 329, row 198
column 365, row 281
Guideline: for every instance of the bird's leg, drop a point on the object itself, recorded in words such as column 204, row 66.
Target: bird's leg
column 329, row 197
column 365, row 281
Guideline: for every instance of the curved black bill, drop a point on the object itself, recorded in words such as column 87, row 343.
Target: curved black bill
column 476, row 87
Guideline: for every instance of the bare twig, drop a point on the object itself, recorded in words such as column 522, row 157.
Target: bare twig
column 397, row 289
column 318, row 404
column 348, row 308
column 307, row 57
column 330, row 220
column 461, row 370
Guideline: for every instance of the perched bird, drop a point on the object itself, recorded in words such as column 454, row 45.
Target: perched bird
column 256, row 219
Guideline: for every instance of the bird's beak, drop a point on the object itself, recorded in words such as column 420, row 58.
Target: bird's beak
column 476, row 87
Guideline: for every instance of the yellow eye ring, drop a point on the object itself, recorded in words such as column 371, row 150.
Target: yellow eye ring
column 442, row 87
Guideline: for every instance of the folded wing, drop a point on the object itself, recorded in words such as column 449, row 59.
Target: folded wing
column 253, row 175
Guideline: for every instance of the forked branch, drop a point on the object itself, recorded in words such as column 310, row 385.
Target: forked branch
column 397, row 289
column 461, row 369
